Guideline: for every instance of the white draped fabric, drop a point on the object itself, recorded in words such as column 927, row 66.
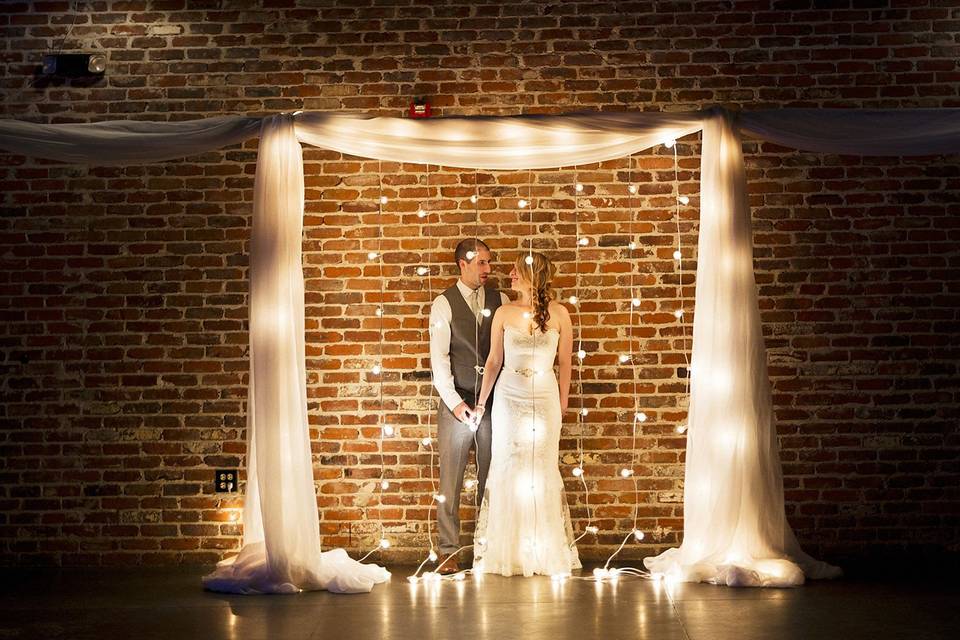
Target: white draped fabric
column 735, row 528
column 123, row 142
column 281, row 550
column 508, row 142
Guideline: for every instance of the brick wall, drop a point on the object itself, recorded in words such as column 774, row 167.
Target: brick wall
column 123, row 292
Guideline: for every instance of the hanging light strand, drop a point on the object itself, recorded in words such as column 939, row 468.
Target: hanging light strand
column 678, row 255
column 578, row 471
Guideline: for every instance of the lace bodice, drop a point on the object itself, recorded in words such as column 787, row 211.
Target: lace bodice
column 526, row 353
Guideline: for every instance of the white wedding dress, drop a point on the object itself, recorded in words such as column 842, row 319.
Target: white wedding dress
column 524, row 522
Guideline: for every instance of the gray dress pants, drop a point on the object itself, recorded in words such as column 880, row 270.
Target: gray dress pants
column 454, row 442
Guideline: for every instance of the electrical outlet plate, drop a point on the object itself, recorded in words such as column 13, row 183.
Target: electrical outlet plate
column 225, row 480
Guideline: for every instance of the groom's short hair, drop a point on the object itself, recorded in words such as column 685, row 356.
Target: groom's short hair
column 470, row 244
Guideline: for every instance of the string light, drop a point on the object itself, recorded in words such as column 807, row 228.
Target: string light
column 579, row 188
column 669, row 143
column 384, row 543
column 581, row 354
column 372, row 255
column 426, row 442
column 632, row 189
column 681, row 428
column 471, row 255
column 573, row 299
column 528, row 260
column 522, row 203
column 584, row 242
column 577, row 472
column 383, row 200
column 626, row 473
column 684, row 200
column 473, row 199
column 421, row 213
column 388, row 430
column 678, row 313
column 677, row 255
column 635, row 302
column 624, row 358
column 376, row 369
column 486, row 313
column 422, row 271
column 439, row 497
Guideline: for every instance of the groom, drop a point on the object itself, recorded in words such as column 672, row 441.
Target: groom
column 460, row 321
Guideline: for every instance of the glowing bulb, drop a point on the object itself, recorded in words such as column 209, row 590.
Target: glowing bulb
column 526, row 315
column 579, row 187
column 678, row 313
column 594, row 530
column 632, row 188
column 583, row 242
column 684, row 200
column 379, row 312
column 481, row 541
column 573, row 299
column 522, row 203
column 459, row 577
column 372, row 255
column 636, row 302
column 422, row 271
column 474, row 427
column 383, row 199
column 471, row 255
column 633, row 246
column 677, row 255
column 421, row 213
column 600, row 574
column 626, row 473
column 624, row 358
column 681, row 428
column 385, row 484
column 584, row 411
column 638, row 535
column 669, row 143
column 388, row 430
column 470, row 484
column 439, row 497
column 577, row 472
column 559, row 577
column 486, row 313
column 581, row 354
column 473, row 199
column 413, row 579
column 376, row 369
column 433, row 555
column 640, row 416
column 528, row 260
column 384, row 543
column 426, row 442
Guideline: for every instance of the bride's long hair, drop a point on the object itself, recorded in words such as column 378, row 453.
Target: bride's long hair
column 539, row 276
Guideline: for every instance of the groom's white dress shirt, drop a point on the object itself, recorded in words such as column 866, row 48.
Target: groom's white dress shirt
column 440, row 318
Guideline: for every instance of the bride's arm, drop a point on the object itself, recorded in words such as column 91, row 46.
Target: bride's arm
column 565, row 355
column 491, row 369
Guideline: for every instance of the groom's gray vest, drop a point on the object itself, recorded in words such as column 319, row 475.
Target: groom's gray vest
column 469, row 341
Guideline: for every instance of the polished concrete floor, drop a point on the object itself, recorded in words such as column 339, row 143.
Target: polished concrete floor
column 149, row 603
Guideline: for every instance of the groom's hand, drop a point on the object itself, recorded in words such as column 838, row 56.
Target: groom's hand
column 462, row 412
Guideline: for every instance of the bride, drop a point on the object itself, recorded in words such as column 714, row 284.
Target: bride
column 524, row 523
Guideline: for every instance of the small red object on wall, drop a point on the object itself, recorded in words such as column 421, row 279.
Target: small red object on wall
column 419, row 108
